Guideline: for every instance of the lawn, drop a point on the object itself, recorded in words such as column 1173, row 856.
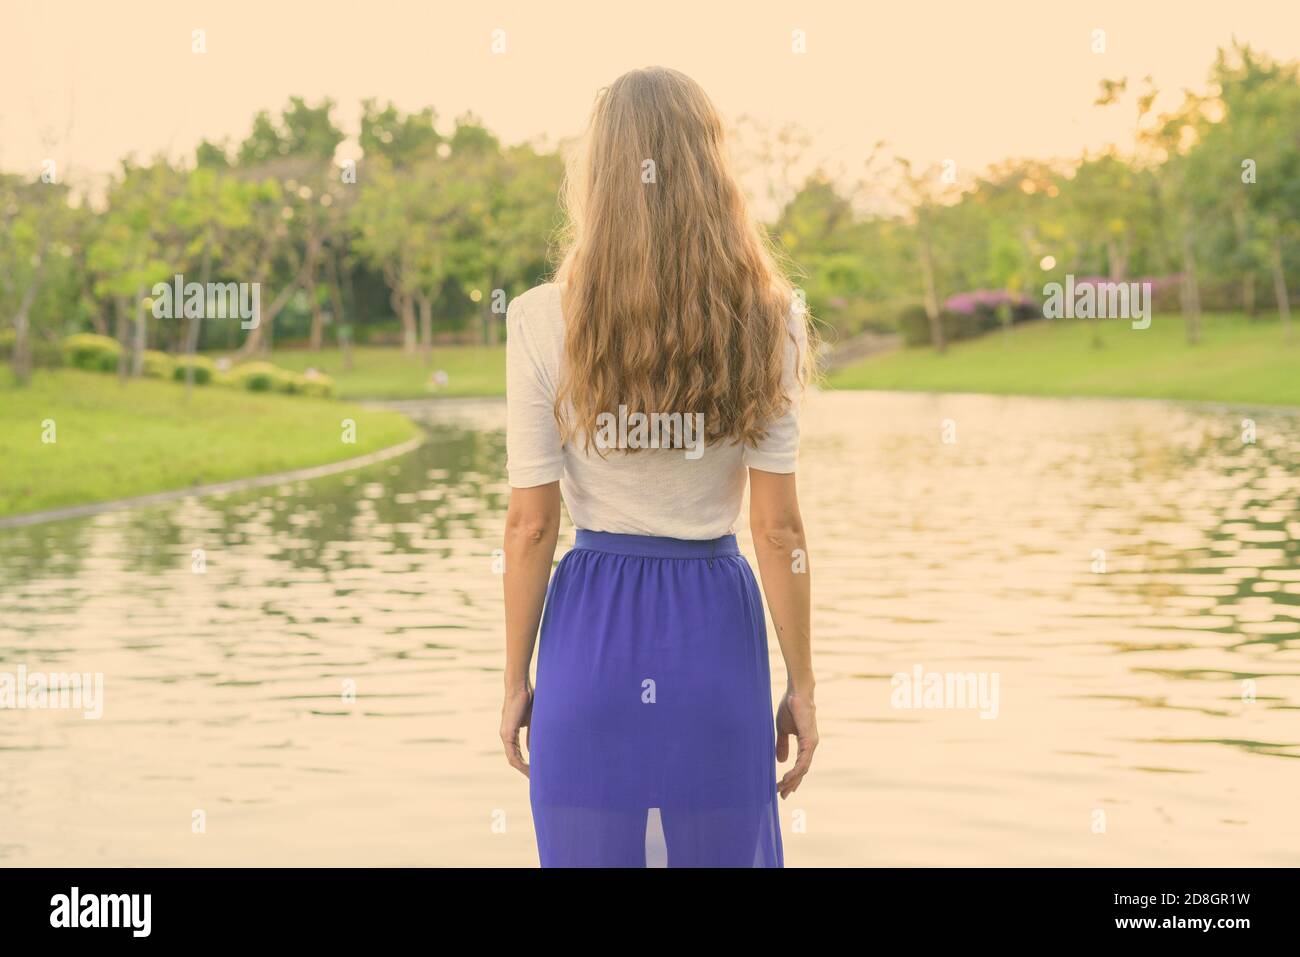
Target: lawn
column 389, row 373
column 114, row 441
column 1239, row 360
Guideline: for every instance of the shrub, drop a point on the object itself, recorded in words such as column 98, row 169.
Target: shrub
column 316, row 384
column 914, row 324
column 158, row 365
column 967, row 315
column 204, row 369
column 990, row 305
column 262, row 377
column 86, row 350
column 267, row 377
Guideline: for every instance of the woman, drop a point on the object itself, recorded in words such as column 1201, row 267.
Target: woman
column 651, row 731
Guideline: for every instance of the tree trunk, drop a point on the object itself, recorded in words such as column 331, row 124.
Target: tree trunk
column 425, row 302
column 489, row 317
column 931, row 291
column 1116, row 259
column 22, row 357
column 317, row 324
column 124, row 351
column 97, row 320
column 259, row 337
column 1279, row 288
column 409, row 336
column 403, row 306
column 1191, row 293
column 141, row 330
column 192, row 330
column 317, row 315
column 1249, row 302
column 336, row 292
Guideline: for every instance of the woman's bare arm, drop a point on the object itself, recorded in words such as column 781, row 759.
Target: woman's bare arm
column 532, row 529
column 783, row 567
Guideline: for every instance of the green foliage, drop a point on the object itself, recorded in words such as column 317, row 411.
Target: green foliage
column 158, row 365
column 315, row 384
column 914, row 324
column 261, row 377
column 301, row 130
column 266, row 377
column 204, row 368
column 92, row 352
column 398, row 139
column 433, row 225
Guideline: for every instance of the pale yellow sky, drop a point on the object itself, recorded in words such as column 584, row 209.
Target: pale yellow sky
column 88, row 82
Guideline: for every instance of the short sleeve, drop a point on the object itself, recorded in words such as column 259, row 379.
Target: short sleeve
column 534, row 451
column 779, row 449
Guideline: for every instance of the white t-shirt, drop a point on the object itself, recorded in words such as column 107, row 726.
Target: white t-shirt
column 649, row 492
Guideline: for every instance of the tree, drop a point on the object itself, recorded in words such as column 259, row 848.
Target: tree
column 134, row 249
column 34, row 218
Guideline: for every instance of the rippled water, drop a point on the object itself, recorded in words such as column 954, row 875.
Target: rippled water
column 1146, row 714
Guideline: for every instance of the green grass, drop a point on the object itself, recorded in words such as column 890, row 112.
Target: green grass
column 115, row 441
column 389, row 373
column 1239, row 360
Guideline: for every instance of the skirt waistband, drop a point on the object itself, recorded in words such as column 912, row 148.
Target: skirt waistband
column 653, row 546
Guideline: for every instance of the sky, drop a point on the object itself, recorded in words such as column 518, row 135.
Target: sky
column 86, row 82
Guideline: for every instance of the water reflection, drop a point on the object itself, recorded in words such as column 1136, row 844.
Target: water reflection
column 1129, row 569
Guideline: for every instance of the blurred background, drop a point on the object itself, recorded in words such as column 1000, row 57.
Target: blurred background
column 309, row 651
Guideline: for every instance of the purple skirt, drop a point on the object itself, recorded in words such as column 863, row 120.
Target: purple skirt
column 652, row 738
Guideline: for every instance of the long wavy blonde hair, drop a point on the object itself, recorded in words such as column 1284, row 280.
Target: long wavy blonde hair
column 673, row 300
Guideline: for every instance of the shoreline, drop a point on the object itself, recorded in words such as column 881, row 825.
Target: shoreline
column 212, row 488
column 415, row 405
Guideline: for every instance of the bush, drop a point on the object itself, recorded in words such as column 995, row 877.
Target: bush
column 157, row 365
column 262, row 377
column 967, row 315
column 914, row 324
column 86, row 350
column 204, row 368
column 266, row 377
column 316, row 384
column 990, row 306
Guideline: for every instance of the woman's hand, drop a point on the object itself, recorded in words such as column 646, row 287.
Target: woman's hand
column 532, row 529
column 516, row 713
column 795, row 715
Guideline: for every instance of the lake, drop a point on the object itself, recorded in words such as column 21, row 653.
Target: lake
column 1128, row 570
